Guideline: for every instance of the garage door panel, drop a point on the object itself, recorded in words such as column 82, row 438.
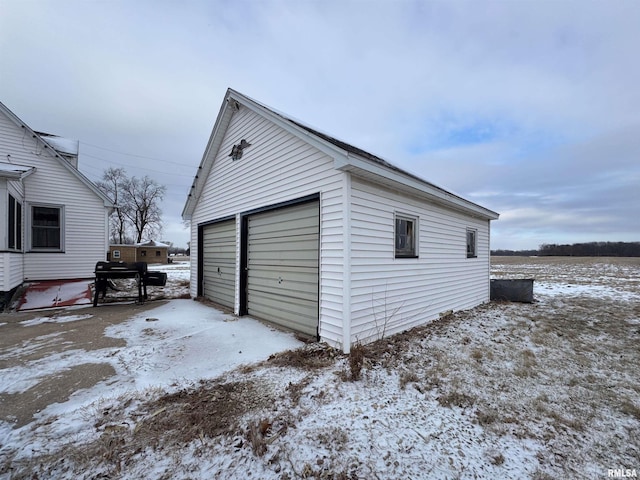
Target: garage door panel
column 292, row 258
column 268, row 282
column 219, row 262
column 282, row 277
column 300, row 214
column 296, row 312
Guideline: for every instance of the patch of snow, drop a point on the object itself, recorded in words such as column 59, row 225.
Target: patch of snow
column 178, row 342
column 55, row 319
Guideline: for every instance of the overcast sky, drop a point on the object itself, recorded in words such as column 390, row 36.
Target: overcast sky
column 531, row 109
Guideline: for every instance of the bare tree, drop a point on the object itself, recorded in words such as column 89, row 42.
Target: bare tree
column 112, row 185
column 143, row 197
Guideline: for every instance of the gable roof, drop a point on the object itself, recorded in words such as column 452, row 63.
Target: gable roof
column 346, row 158
column 57, row 156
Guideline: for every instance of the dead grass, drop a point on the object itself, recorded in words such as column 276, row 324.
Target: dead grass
column 309, row 357
column 561, row 372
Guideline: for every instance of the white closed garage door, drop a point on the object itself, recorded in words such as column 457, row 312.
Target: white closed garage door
column 282, row 266
column 219, row 262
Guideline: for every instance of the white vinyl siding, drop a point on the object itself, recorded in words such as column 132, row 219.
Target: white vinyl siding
column 10, row 270
column 277, row 167
column 391, row 294
column 11, row 263
column 85, row 216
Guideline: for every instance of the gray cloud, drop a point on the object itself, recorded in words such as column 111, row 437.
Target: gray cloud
column 529, row 108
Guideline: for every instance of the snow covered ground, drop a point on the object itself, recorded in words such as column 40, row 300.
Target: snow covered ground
column 543, row 390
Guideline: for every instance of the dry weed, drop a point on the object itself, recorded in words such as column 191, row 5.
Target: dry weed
column 311, row 356
column 408, row 377
column 356, row 361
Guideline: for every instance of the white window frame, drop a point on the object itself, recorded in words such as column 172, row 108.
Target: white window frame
column 61, row 217
column 472, row 242
column 18, row 220
column 414, row 251
column 116, row 254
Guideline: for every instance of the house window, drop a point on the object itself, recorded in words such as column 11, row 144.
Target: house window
column 46, row 228
column 472, row 243
column 143, row 253
column 157, row 253
column 406, row 233
column 14, row 242
column 116, row 254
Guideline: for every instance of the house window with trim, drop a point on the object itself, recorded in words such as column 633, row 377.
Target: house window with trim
column 406, row 236
column 158, row 253
column 143, row 253
column 14, row 228
column 46, row 228
column 116, row 254
column 472, row 243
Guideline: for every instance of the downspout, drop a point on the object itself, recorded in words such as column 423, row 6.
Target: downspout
column 346, row 273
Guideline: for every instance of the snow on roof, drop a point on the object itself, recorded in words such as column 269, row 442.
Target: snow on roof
column 152, row 243
column 13, row 170
column 62, row 145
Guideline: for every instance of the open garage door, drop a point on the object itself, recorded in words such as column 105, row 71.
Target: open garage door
column 282, row 266
column 219, row 262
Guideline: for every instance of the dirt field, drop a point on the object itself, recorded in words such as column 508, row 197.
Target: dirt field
column 506, row 390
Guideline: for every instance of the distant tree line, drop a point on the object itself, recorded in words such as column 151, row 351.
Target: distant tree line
column 514, row 253
column 591, row 249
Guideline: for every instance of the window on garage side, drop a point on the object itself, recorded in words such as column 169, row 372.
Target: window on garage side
column 46, row 228
column 116, row 254
column 14, row 228
column 472, row 243
column 406, row 229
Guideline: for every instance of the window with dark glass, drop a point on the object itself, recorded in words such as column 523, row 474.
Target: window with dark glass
column 14, row 240
column 405, row 237
column 472, row 239
column 46, row 227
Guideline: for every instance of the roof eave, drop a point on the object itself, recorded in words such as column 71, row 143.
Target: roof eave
column 396, row 179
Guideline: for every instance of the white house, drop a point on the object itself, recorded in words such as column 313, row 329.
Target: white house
column 53, row 220
column 298, row 228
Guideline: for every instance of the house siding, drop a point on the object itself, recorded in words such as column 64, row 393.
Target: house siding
column 277, row 167
column 391, row 294
column 85, row 215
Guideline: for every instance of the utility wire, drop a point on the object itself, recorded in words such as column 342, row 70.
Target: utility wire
column 132, row 154
column 139, row 167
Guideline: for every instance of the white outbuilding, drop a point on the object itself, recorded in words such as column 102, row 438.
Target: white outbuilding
column 298, row 228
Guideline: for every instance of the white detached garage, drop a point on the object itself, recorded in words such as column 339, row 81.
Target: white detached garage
column 295, row 227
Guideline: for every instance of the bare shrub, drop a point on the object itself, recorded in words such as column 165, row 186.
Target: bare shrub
column 356, row 360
